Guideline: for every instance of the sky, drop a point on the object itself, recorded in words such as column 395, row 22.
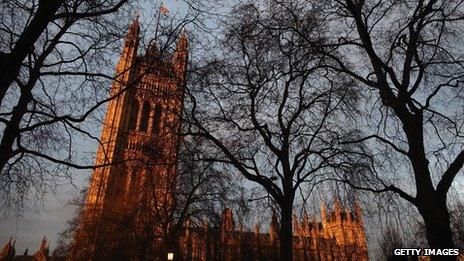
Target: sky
column 33, row 226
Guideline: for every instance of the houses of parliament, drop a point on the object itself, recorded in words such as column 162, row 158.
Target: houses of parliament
column 135, row 173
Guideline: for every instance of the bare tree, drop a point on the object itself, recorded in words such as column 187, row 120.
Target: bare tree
column 406, row 56
column 57, row 60
column 457, row 223
column 53, row 60
column 390, row 240
column 269, row 108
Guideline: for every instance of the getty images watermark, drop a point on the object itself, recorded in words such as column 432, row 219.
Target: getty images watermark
column 426, row 252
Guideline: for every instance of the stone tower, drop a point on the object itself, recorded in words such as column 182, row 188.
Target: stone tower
column 135, row 165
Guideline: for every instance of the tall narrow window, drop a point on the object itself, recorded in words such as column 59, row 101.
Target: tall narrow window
column 145, row 116
column 156, row 119
column 133, row 115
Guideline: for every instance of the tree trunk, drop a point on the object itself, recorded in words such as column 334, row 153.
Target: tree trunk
column 11, row 131
column 431, row 204
column 286, row 234
column 437, row 225
column 11, row 62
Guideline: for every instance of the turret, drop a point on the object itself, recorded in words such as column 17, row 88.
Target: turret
column 348, row 216
column 323, row 212
column 205, row 224
column 273, row 228
column 115, row 117
column 360, row 233
column 227, row 224
column 296, row 225
column 337, row 208
column 8, row 251
column 314, row 235
column 132, row 36
column 129, row 53
column 256, row 230
column 305, row 223
column 180, row 57
column 42, row 253
column 358, row 213
column 44, row 244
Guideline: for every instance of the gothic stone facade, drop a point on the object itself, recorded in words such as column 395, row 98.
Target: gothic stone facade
column 135, row 171
column 135, row 162
column 340, row 236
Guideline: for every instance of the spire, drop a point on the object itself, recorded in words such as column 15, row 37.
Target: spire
column 305, row 216
column 182, row 43
column 180, row 57
column 8, row 251
column 227, row 220
column 274, row 227
column 227, row 225
column 337, row 210
column 358, row 212
column 205, row 224
column 42, row 253
column 348, row 216
column 323, row 212
column 44, row 243
column 256, row 230
column 296, row 224
column 305, row 222
column 129, row 53
column 337, row 206
column 134, row 30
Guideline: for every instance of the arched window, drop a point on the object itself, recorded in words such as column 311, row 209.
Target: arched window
column 133, row 115
column 156, row 119
column 145, row 116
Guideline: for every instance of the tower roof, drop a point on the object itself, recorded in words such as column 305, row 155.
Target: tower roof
column 8, row 251
column 182, row 43
column 134, row 29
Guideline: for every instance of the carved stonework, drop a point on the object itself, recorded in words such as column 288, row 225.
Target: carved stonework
column 135, row 162
column 313, row 240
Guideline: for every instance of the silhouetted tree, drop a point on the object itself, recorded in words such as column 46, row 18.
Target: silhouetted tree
column 269, row 108
column 57, row 66
column 406, row 56
column 390, row 240
column 52, row 60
